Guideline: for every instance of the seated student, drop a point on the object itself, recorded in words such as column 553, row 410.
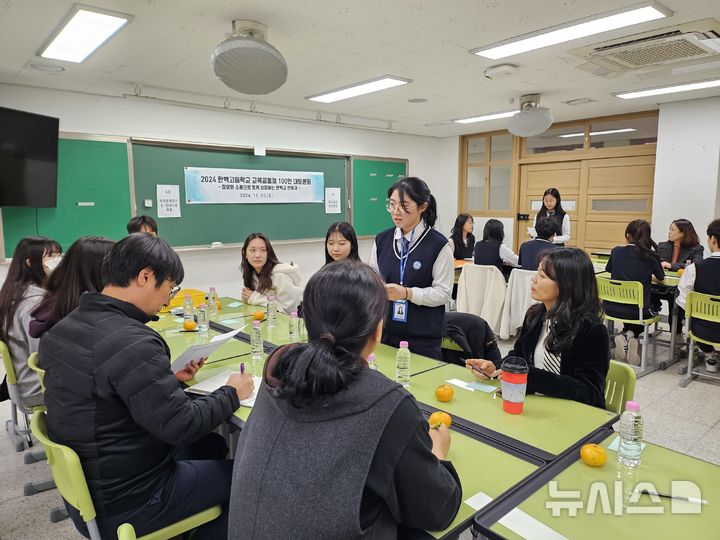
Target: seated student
column 80, row 270
column 264, row 275
column 563, row 338
column 461, row 237
column 144, row 224
column 146, row 448
column 474, row 335
column 704, row 277
column 491, row 250
column 533, row 250
column 341, row 243
column 636, row 261
column 32, row 261
column 334, row 449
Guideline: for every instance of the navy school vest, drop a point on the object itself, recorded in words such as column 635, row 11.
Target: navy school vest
column 487, row 252
column 707, row 281
column 423, row 321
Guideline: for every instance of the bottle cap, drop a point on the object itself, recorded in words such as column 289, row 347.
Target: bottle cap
column 187, row 297
column 293, row 314
column 632, row 406
column 404, row 344
column 271, row 297
column 202, row 306
column 212, row 288
column 256, row 324
column 371, row 357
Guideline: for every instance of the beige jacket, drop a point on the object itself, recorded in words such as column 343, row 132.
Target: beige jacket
column 286, row 287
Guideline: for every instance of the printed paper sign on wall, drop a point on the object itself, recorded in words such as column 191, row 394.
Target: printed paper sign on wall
column 236, row 186
column 168, row 200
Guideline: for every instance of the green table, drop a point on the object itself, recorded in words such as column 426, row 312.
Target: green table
column 660, row 467
column 546, row 428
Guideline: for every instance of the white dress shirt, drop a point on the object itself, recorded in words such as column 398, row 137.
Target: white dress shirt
column 565, row 236
column 687, row 282
column 508, row 257
column 443, row 271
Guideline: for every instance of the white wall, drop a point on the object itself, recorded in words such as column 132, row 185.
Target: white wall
column 508, row 224
column 435, row 160
column 687, row 167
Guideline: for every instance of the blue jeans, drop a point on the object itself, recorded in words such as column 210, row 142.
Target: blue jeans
column 196, row 485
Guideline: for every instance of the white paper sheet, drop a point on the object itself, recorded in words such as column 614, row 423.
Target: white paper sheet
column 332, row 201
column 208, row 386
column 203, row 350
column 168, row 200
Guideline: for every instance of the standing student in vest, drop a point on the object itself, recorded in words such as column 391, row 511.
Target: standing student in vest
column 462, row 240
column 552, row 208
column 332, row 448
column 636, row 261
column 563, row 339
column 417, row 264
column 341, row 243
column 704, row 277
column 492, row 252
column 144, row 224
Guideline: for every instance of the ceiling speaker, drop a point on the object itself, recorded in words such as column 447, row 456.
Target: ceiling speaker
column 532, row 119
column 247, row 63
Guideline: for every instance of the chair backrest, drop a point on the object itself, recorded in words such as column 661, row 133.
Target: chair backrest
column 7, row 363
column 622, row 292
column 481, row 291
column 66, row 469
column 126, row 532
column 33, row 364
column 619, row 386
column 703, row 306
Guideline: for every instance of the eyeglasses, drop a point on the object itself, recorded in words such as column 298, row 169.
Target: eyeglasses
column 390, row 206
column 173, row 292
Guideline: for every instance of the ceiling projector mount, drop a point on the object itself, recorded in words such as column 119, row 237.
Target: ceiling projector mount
column 532, row 119
column 246, row 62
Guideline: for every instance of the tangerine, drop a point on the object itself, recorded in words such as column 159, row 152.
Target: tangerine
column 593, row 455
column 259, row 315
column 680, row 271
column 444, row 392
column 440, row 417
column 189, row 326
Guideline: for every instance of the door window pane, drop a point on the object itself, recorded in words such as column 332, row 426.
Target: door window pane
column 620, row 205
column 629, row 132
column 556, row 140
column 476, row 150
column 474, row 196
column 499, row 187
column 501, row 148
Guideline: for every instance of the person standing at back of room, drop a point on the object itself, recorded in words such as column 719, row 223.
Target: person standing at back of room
column 461, row 238
column 552, row 208
column 417, row 264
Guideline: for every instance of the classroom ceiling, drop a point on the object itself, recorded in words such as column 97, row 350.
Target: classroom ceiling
column 164, row 53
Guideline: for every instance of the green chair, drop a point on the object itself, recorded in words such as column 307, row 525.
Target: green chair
column 448, row 343
column 631, row 293
column 70, row 479
column 35, row 366
column 705, row 307
column 19, row 435
column 619, row 386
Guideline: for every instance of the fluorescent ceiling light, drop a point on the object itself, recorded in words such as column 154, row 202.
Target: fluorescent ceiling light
column 670, row 89
column 82, row 31
column 607, row 132
column 486, row 117
column 574, row 30
column 358, row 89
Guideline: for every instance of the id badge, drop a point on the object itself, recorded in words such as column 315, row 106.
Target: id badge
column 399, row 313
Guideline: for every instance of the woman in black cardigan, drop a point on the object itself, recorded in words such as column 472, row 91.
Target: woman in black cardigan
column 563, row 338
column 681, row 246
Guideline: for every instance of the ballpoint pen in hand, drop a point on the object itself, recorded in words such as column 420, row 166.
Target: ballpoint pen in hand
column 481, row 371
column 242, row 367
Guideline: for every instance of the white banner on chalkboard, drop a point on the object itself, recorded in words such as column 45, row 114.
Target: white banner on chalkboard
column 168, row 200
column 237, row 186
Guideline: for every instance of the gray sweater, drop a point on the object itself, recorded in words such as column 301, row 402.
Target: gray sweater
column 21, row 346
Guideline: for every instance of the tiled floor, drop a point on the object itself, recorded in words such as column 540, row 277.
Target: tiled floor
column 684, row 419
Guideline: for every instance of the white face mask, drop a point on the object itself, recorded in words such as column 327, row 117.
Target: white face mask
column 52, row 263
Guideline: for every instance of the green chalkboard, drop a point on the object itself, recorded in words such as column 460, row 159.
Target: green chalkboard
column 88, row 172
column 202, row 224
column 371, row 180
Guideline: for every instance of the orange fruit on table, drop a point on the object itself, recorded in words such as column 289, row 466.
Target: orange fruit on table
column 259, row 315
column 219, row 305
column 680, row 271
column 593, row 455
column 440, row 417
column 444, row 392
column 189, row 325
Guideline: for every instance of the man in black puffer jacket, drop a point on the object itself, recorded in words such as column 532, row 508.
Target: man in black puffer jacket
column 146, row 448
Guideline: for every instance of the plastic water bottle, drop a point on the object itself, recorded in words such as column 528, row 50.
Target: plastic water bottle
column 631, row 433
column 188, row 309
column 212, row 305
column 372, row 364
column 271, row 311
column 256, row 348
column 202, row 319
column 293, row 331
column 402, row 365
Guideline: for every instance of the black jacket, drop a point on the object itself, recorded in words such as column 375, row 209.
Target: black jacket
column 583, row 367
column 532, row 251
column 112, row 397
column 474, row 335
column 694, row 254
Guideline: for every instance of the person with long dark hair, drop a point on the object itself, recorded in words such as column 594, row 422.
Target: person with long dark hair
column 681, row 246
column 563, row 339
column 341, row 243
column 492, row 252
column 636, row 261
column 417, row 264
column 319, row 411
column 265, row 275
column 32, row 261
column 552, row 208
column 79, row 271
column 461, row 238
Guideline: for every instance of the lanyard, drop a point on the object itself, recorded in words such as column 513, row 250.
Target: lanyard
column 404, row 256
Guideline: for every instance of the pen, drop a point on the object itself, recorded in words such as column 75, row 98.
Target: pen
column 676, row 497
column 481, row 371
column 242, row 367
column 226, row 359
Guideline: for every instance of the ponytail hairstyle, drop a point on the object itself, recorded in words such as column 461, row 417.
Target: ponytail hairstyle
column 419, row 192
column 265, row 276
column 26, row 268
column 578, row 303
column 339, row 326
column 638, row 232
